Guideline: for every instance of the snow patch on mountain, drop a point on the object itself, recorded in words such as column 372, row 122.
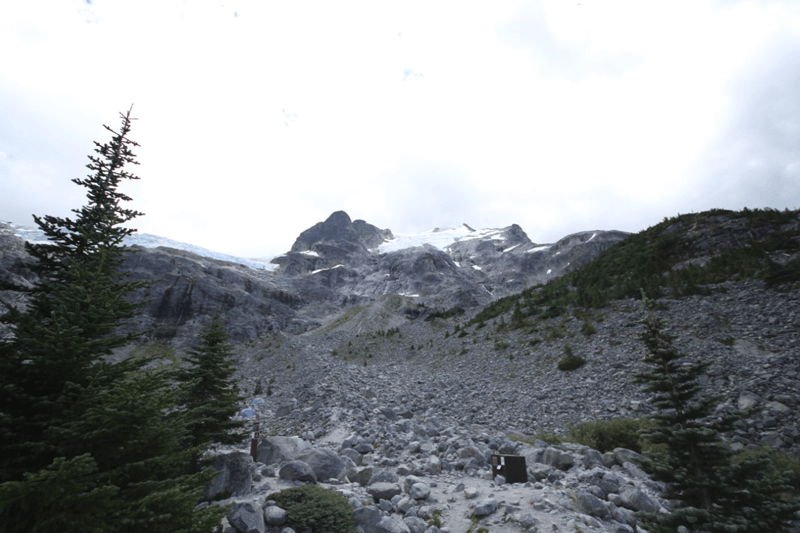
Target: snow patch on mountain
column 439, row 238
column 146, row 240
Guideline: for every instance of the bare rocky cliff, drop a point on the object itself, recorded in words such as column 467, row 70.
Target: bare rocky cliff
column 333, row 267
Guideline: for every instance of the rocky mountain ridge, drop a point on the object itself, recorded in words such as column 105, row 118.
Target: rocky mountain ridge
column 333, row 266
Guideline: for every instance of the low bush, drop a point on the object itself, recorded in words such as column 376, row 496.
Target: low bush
column 570, row 361
column 605, row 435
column 783, row 465
column 318, row 510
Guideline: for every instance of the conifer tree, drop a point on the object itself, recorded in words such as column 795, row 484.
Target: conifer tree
column 61, row 340
column 713, row 492
column 206, row 391
column 84, row 443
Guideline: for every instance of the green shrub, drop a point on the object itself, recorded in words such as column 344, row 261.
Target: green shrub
column 783, row 464
column 436, row 519
column 587, row 328
column 605, row 435
column 316, row 509
column 570, row 361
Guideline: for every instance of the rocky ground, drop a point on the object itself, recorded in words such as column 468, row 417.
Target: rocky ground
column 509, row 381
column 442, row 482
column 418, row 398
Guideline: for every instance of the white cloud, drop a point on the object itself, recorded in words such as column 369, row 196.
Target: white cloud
column 269, row 116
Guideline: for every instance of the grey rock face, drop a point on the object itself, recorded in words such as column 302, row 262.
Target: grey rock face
column 333, row 265
column 189, row 287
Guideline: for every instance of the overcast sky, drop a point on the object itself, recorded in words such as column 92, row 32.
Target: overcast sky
column 258, row 119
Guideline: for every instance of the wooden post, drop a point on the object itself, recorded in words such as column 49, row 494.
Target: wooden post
column 254, row 442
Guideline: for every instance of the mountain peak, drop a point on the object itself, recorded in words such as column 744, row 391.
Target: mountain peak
column 338, row 230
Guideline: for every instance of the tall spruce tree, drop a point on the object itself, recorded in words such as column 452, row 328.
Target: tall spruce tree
column 61, row 340
column 208, row 396
column 713, row 492
column 84, row 443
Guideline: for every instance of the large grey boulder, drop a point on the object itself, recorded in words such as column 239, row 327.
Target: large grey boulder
column 326, row 463
column 410, row 481
column 364, row 448
column 367, row 518
column 591, row 504
column 558, row 459
column 592, row 458
column 415, row 524
column 383, row 491
column 247, row 518
column 747, row 400
column 624, row 455
column 636, row 500
column 420, row 491
column 383, row 476
column 433, row 466
column 235, row 476
column 361, row 475
column 297, row 471
column 485, row 507
column 539, row 471
column 273, row 450
column 391, row 524
column 353, row 455
column 472, row 452
column 274, row 515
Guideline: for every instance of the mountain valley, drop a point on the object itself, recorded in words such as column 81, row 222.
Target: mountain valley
column 348, row 335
